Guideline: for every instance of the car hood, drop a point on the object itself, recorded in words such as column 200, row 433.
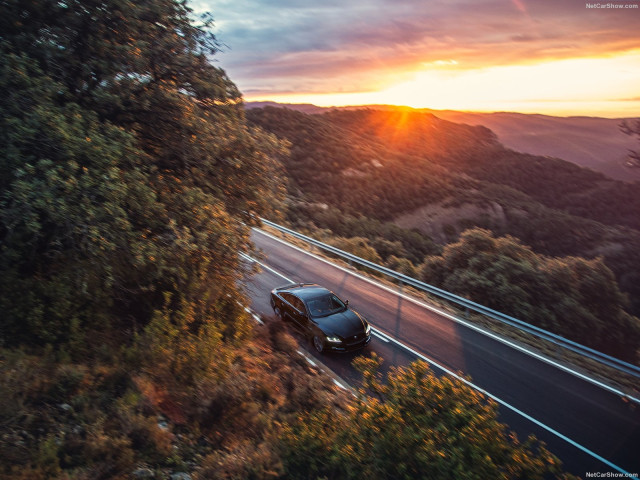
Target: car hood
column 344, row 324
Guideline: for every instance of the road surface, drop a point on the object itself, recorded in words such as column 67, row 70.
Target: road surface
column 585, row 416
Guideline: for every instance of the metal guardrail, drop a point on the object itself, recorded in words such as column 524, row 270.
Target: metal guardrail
column 558, row 340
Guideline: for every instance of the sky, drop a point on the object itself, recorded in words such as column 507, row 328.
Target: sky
column 557, row 57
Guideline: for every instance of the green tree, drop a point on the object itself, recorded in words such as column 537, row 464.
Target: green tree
column 571, row 296
column 415, row 426
column 357, row 246
column 127, row 170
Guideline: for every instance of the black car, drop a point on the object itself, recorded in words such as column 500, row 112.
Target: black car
column 323, row 317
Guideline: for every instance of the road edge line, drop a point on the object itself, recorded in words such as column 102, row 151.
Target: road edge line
column 451, row 317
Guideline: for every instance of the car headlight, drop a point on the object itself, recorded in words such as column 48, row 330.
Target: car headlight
column 333, row 339
column 367, row 330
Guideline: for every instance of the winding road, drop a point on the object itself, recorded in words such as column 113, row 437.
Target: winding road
column 589, row 428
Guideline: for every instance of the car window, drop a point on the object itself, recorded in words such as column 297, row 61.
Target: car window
column 288, row 297
column 294, row 301
column 298, row 304
column 324, row 305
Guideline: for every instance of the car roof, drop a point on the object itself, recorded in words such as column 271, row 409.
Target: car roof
column 306, row 290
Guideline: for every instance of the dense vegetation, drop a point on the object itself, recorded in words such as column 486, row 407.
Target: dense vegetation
column 412, row 180
column 125, row 177
column 574, row 297
column 417, row 420
column 128, row 182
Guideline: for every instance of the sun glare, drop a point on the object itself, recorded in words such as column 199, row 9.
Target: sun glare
column 591, row 86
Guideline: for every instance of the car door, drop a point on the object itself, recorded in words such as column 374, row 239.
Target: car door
column 300, row 314
column 287, row 307
column 295, row 310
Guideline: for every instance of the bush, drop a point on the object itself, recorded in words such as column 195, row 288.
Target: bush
column 571, row 296
column 415, row 426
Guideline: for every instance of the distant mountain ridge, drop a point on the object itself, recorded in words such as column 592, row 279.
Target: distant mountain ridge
column 591, row 142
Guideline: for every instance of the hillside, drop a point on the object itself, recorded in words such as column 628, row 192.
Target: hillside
column 592, row 142
column 417, row 171
column 595, row 143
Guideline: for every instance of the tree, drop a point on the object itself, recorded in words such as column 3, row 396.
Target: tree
column 632, row 128
column 415, row 426
column 358, row 246
column 571, row 296
column 127, row 173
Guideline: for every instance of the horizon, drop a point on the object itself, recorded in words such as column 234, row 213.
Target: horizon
column 558, row 58
column 427, row 109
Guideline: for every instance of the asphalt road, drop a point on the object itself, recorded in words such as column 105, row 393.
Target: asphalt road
column 581, row 413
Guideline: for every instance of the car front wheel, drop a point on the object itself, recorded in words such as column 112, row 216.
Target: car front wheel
column 278, row 313
column 318, row 343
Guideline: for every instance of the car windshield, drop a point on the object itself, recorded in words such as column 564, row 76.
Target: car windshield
column 327, row 304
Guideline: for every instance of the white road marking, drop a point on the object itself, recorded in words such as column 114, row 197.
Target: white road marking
column 311, row 362
column 463, row 322
column 339, row 384
column 510, row 407
column 453, row 374
column 266, row 267
column 249, row 311
column 343, row 385
column 380, row 335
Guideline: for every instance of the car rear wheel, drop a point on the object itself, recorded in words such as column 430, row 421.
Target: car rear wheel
column 318, row 343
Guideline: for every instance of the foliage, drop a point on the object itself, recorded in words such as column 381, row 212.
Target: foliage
column 127, row 170
column 415, row 426
column 107, row 420
column 358, row 246
column 62, row 419
column 385, row 237
column 573, row 297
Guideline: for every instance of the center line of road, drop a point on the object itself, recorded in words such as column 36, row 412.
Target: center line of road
column 388, row 338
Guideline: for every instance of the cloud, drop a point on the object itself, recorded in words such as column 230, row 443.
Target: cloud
column 311, row 46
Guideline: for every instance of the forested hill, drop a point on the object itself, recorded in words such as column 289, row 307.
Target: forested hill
column 419, row 171
column 591, row 142
column 344, row 139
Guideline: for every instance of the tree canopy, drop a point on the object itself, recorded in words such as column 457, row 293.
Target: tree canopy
column 571, row 296
column 127, row 171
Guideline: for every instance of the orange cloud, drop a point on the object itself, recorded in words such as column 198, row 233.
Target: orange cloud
column 305, row 47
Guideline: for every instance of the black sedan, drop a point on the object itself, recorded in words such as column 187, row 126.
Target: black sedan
column 323, row 317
